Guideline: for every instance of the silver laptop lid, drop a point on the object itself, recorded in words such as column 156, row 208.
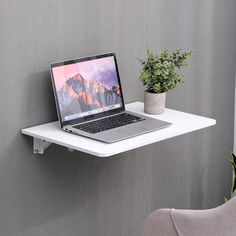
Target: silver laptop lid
column 86, row 88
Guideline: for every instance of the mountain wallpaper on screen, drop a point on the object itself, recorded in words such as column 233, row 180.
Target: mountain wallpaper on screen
column 81, row 95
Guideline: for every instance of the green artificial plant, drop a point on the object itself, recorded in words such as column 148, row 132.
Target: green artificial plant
column 233, row 165
column 160, row 72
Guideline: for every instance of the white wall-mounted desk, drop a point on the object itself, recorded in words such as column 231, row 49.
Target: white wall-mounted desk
column 46, row 134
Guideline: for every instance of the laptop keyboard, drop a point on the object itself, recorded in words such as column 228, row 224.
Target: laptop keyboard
column 108, row 123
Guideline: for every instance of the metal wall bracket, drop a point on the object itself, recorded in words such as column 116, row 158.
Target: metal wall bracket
column 40, row 145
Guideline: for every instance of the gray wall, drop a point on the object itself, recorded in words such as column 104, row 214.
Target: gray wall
column 68, row 194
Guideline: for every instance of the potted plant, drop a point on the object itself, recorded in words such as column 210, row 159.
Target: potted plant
column 233, row 164
column 160, row 74
column 233, row 185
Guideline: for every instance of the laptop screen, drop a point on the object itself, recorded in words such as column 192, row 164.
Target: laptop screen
column 86, row 87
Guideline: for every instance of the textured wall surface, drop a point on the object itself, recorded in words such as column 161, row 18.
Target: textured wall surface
column 71, row 194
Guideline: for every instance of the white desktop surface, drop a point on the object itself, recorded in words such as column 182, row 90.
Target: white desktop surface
column 181, row 123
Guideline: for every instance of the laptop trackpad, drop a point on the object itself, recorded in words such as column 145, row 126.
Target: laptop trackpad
column 128, row 131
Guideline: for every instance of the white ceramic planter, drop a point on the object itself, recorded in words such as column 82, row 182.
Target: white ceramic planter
column 154, row 103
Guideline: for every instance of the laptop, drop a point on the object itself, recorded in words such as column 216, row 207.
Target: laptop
column 89, row 100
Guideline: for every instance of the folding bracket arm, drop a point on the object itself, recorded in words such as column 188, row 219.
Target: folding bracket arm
column 40, row 145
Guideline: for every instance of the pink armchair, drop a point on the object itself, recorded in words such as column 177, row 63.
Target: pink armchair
column 219, row 221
